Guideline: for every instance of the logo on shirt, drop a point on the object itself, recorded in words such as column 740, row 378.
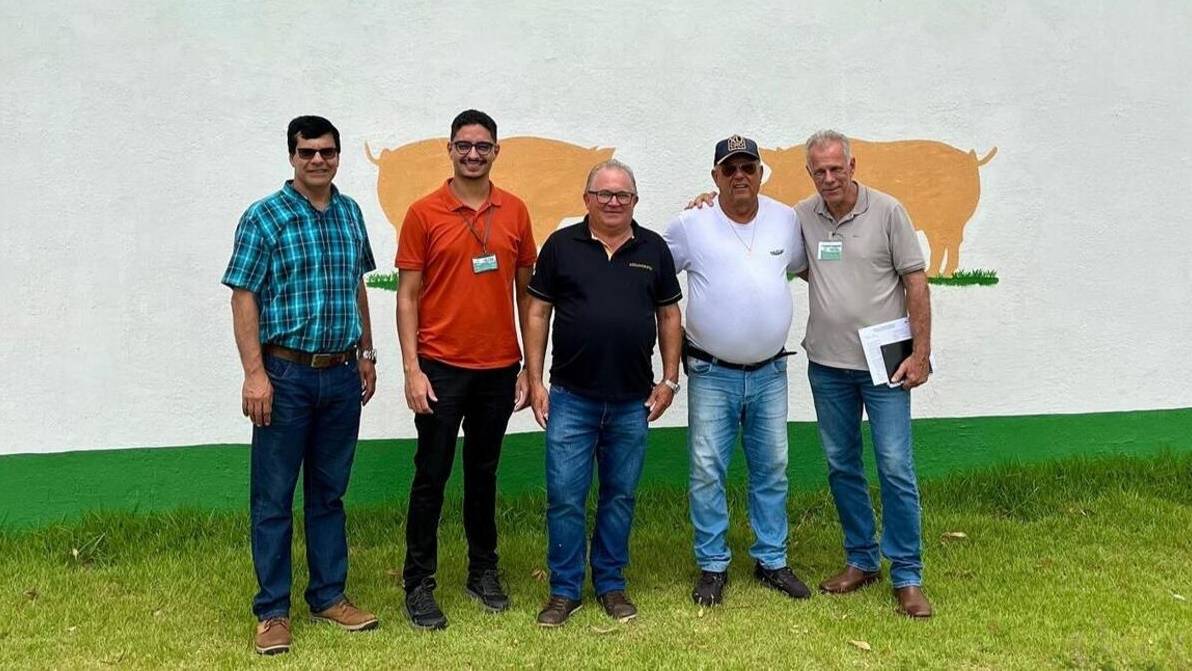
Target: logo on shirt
column 776, row 252
column 642, row 266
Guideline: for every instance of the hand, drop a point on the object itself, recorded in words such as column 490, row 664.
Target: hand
column 702, row 200
column 521, row 392
column 660, row 399
column 913, row 372
column 419, row 393
column 257, row 398
column 540, row 402
column 368, row 380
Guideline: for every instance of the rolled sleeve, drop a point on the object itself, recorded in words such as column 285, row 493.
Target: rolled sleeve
column 905, row 251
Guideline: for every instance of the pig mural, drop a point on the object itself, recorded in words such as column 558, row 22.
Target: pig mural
column 938, row 184
column 547, row 174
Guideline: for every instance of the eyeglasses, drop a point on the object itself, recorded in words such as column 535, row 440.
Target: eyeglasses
column 606, row 197
column 307, row 153
column 727, row 170
column 465, row 148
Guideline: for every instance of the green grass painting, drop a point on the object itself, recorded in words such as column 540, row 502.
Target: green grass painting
column 965, row 278
column 383, row 281
column 1077, row 564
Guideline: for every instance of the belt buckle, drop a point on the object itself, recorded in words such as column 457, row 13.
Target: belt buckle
column 321, row 360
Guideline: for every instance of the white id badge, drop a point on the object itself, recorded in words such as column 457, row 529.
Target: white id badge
column 830, row 250
column 484, row 264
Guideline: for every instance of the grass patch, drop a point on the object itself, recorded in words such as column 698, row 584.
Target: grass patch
column 1074, row 564
column 384, row 281
column 962, row 278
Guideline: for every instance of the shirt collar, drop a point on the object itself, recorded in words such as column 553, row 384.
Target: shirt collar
column 289, row 191
column 496, row 197
column 584, row 232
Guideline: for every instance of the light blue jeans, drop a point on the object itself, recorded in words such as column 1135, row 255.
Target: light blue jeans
column 722, row 403
column 580, row 433
column 839, row 395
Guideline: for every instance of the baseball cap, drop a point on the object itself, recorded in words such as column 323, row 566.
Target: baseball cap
column 736, row 144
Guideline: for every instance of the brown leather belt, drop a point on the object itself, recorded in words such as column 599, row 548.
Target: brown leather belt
column 314, row 360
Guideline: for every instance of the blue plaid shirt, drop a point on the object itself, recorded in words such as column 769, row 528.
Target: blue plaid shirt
column 304, row 267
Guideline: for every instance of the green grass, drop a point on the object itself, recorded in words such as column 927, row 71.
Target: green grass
column 1074, row 564
column 967, row 278
column 385, row 281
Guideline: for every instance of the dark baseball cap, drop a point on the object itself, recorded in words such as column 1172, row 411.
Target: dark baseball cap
column 731, row 146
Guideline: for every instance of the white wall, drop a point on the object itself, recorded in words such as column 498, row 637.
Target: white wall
column 137, row 132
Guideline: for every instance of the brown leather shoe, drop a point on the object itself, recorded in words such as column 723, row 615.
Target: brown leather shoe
column 273, row 636
column 556, row 611
column 617, row 606
column 912, row 602
column 347, row 616
column 849, row 580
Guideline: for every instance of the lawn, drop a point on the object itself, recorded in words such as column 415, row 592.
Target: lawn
column 1073, row 564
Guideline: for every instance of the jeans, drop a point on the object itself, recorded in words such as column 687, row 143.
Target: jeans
column 316, row 420
column 722, row 402
column 482, row 401
column 579, row 430
column 839, row 395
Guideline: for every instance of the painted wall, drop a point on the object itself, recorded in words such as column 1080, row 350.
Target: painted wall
column 136, row 134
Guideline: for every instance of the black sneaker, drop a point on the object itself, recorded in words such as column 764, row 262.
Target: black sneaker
column 556, row 611
column 421, row 607
column 783, row 580
column 485, row 587
column 709, row 589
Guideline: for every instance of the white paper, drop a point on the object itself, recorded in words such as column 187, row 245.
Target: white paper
column 872, row 339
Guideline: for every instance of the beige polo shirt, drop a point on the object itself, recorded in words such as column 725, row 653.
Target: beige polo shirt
column 863, row 287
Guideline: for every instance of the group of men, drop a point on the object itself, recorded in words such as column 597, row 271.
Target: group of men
column 468, row 264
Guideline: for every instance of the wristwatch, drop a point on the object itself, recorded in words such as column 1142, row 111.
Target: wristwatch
column 673, row 386
column 370, row 354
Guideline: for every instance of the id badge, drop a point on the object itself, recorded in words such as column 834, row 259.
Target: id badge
column 830, row 250
column 484, row 264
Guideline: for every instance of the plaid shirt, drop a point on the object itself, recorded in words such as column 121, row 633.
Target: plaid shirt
column 304, row 267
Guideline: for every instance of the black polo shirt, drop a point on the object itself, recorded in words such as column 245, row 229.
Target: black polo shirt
column 604, row 309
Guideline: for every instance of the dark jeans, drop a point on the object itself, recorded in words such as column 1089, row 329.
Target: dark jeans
column 316, row 420
column 482, row 400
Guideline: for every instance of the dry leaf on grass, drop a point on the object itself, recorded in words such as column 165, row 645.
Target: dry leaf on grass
column 538, row 574
column 1179, row 597
column 603, row 630
column 954, row 535
column 861, row 645
column 30, row 594
column 393, row 572
column 158, row 613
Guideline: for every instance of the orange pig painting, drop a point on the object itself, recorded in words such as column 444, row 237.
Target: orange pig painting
column 547, row 174
column 938, row 184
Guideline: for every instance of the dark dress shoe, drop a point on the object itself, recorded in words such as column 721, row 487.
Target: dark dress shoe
column 783, row 580
column 912, row 602
column 849, row 580
column 617, row 606
column 556, row 611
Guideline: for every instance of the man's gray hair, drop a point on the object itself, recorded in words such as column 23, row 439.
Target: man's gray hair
column 610, row 164
column 821, row 137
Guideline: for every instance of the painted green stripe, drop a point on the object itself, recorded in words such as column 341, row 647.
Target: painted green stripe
column 37, row 489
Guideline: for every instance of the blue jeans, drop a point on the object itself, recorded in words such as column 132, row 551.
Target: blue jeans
column 581, row 430
column 722, row 402
column 839, row 395
column 316, row 420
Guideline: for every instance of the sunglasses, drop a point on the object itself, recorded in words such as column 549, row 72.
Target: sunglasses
column 306, row 153
column 730, row 170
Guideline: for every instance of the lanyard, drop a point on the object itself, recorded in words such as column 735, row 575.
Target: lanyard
column 488, row 228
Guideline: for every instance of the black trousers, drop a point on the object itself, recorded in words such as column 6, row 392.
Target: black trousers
column 482, row 400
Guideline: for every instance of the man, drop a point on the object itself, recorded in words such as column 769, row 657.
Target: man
column 462, row 250
column 866, row 268
column 737, row 254
column 607, row 281
column 300, row 314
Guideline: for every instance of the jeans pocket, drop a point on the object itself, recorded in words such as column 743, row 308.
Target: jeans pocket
column 780, row 364
column 698, row 366
column 278, row 369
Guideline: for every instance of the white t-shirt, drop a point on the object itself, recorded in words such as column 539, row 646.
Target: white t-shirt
column 739, row 306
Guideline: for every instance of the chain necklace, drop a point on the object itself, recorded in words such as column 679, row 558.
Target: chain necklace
column 752, row 238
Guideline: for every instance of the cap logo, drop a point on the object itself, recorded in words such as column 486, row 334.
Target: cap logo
column 736, row 143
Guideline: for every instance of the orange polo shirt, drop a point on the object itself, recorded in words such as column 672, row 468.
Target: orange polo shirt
column 466, row 318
